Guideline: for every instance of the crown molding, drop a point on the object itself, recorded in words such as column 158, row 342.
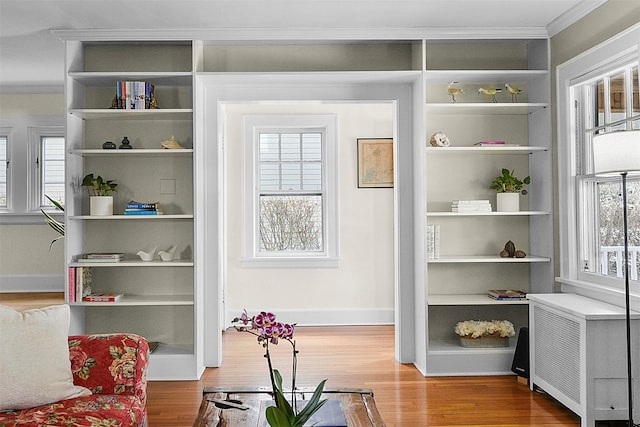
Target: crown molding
column 301, row 34
column 572, row 16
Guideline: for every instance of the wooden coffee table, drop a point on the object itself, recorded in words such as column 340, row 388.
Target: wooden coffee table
column 358, row 405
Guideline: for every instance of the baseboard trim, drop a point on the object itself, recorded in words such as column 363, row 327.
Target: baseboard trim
column 327, row 317
column 32, row 283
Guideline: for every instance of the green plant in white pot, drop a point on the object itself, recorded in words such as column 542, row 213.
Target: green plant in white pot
column 101, row 194
column 509, row 189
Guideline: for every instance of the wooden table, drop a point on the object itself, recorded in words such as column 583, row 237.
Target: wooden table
column 358, row 405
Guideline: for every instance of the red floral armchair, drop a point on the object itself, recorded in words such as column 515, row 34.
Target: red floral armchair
column 114, row 368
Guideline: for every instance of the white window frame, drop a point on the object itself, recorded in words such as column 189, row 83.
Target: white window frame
column 6, row 132
column 36, row 184
column 252, row 257
column 23, row 179
column 603, row 59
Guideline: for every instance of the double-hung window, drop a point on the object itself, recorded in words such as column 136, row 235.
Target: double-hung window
column 290, row 191
column 32, row 167
column 4, row 169
column 604, row 99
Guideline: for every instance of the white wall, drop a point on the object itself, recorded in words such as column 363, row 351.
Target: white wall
column 26, row 263
column 359, row 291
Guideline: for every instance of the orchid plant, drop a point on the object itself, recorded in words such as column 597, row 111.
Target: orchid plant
column 268, row 331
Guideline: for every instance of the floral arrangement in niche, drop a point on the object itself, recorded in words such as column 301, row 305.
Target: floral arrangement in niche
column 270, row 332
column 484, row 328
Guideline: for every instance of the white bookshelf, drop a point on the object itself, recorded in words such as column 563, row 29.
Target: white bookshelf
column 469, row 265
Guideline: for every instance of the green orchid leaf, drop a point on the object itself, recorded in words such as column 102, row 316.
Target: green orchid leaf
column 313, row 405
column 276, row 417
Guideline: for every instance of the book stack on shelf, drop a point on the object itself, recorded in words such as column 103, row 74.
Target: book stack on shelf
column 78, row 283
column 103, row 297
column 470, row 206
column 134, row 95
column 144, row 208
column 433, row 241
column 507, row 295
column 101, row 257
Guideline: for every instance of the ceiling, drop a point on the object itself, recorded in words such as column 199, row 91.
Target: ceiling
column 32, row 56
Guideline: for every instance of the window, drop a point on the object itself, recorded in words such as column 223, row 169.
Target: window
column 290, row 191
column 51, row 166
column 4, row 168
column 598, row 94
column 32, row 156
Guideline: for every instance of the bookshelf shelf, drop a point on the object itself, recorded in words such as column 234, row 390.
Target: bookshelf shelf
column 494, row 213
column 142, row 152
column 481, row 259
column 466, row 299
column 129, row 217
column 146, row 300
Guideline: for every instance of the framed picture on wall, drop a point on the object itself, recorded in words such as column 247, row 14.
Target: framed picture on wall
column 375, row 162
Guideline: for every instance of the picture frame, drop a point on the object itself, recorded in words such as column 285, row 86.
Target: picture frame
column 375, row 162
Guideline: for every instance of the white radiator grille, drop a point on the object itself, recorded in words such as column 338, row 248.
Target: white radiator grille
column 557, row 352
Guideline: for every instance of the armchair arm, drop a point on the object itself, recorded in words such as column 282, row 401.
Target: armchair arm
column 110, row 363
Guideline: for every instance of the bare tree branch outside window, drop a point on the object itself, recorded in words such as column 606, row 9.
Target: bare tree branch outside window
column 291, row 223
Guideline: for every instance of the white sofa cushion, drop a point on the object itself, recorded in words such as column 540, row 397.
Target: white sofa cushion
column 34, row 358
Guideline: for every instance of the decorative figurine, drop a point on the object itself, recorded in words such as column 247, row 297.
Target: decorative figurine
column 171, row 143
column 514, row 91
column 168, row 254
column 510, row 251
column 492, row 91
column 147, row 256
column 453, row 91
column 109, row 145
column 439, row 139
column 125, row 144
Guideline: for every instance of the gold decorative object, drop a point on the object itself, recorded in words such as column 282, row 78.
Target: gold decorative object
column 514, row 91
column 453, row 91
column 492, row 91
column 171, row 143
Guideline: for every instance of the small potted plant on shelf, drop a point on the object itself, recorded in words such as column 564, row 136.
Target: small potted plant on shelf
column 509, row 188
column 100, row 192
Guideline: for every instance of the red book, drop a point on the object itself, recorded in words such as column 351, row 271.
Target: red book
column 106, row 297
column 71, row 293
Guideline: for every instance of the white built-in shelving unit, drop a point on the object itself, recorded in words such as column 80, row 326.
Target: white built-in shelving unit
column 469, row 263
column 165, row 301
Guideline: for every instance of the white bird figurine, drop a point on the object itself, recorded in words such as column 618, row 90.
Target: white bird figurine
column 514, row 91
column 168, row 254
column 490, row 92
column 147, row 256
column 453, row 91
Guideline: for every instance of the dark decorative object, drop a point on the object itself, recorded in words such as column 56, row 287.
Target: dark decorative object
column 510, row 251
column 125, row 144
column 109, row 145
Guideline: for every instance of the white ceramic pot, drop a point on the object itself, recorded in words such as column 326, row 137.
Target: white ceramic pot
column 101, row 205
column 508, row 202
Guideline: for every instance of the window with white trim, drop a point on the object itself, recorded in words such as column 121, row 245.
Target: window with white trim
column 32, row 156
column 4, row 169
column 605, row 102
column 290, row 191
column 50, row 168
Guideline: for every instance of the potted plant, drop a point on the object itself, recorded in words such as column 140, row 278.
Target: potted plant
column 509, row 188
column 100, row 192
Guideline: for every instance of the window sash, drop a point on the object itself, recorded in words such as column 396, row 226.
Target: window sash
column 4, row 171
column 601, row 113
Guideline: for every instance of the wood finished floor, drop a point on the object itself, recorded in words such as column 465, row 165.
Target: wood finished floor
column 353, row 357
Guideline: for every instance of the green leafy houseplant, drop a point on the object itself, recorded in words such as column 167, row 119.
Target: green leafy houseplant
column 507, row 183
column 97, row 186
column 268, row 331
column 54, row 223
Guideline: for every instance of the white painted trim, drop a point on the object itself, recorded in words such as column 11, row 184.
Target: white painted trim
column 32, row 283
column 303, row 34
column 328, row 317
column 576, row 71
column 573, row 15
